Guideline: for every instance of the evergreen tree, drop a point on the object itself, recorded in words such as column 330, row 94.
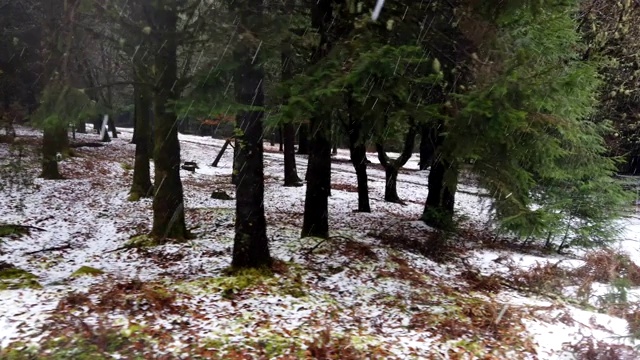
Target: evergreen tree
column 526, row 126
column 250, row 246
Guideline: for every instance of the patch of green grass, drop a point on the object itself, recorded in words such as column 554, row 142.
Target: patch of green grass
column 126, row 166
column 86, row 271
column 99, row 345
column 14, row 278
column 140, row 241
column 239, row 280
column 7, row 230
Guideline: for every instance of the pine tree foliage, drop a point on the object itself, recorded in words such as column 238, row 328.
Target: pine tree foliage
column 61, row 104
column 533, row 146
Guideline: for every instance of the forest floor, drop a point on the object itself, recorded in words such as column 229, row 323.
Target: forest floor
column 68, row 289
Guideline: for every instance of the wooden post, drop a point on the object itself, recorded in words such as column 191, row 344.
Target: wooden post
column 224, row 147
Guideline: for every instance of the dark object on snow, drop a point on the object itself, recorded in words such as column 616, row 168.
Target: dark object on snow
column 190, row 166
column 86, row 144
column 224, row 147
column 220, row 195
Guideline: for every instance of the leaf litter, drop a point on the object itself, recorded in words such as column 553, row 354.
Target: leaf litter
column 371, row 291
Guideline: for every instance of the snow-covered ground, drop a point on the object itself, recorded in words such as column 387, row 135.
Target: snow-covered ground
column 386, row 299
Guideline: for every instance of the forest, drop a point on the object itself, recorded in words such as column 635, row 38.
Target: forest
column 319, row 179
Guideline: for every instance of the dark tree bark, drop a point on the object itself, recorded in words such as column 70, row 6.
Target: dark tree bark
column 51, row 146
column 168, row 201
column 81, row 127
column 316, row 205
column 235, row 173
column 141, row 186
column 438, row 209
column 303, row 139
column 428, row 136
column 358, row 153
column 288, row 132
column 291, row 177
column 280, row 139
column 250, row 245
column 391, row 167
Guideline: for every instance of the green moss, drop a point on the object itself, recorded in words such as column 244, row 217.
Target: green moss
column 134, row 196
column 15, row 278
column 239, row 280
column 86, row 270
column 7, row 230
column 126, row 166
column 140, row 241
column 99, row 346
column 271, row 345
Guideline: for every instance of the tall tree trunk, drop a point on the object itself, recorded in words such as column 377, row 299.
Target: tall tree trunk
column 250, row 245
column 316, row 205
column 359, row 160
column 358, row 154
column 235, row 167
column 168, row 201
column 288, row 132
column 291, row 177
column 81, row 126
column 438, row 209
column 392, row 167
column 303, row 139
column 428, row 137
column 141, row 186
column 51, row 146
column 62, row 138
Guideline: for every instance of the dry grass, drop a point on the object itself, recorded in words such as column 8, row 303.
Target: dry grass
column 403, row 271
column 326, row 346
column 344, row 187
column 606, row 266
column 497, row 326
column 479, row 282
column 590, row 349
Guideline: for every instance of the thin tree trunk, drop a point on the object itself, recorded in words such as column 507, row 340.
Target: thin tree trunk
column 359, row 160
column 287, row 131
column 290, row 169
column 280, row 138
column 250, row 245
column 358, row 154
column 141, row 186
column 222, row 150
column 168, row 201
